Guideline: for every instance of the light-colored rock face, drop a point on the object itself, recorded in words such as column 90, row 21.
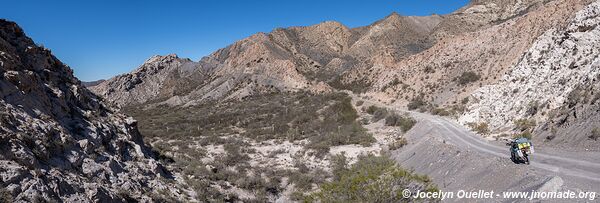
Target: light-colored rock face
column 58, row 141
column 489, row 52
column 558, row 62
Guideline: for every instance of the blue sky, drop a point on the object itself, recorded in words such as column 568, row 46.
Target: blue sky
column 101, row 39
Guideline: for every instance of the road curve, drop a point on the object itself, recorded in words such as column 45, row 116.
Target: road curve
column 462, row 137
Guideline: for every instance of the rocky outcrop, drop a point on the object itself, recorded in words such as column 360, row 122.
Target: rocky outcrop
column 58, row 141
column 560, row 62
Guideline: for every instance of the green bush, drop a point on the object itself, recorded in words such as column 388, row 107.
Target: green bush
column 405, row 122
column 467, row 77
column 338, row 165
column 372, row 179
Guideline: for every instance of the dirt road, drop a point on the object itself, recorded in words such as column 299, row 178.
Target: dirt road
column 458, row 159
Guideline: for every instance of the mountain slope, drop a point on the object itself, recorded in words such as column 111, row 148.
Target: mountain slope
column 434, row 76
column 557, row 74
column 287, row 59
column 58, row 141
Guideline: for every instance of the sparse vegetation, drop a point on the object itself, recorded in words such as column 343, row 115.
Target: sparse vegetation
column 5, row 196
column 394, row 83
column 405, row 122
column 397, row 143
column 181, row 135
column 416, row 103
column 533, row 108
column 360, row 103
column 574, row 97
column 440, row 112
column 371, row 179
column 595, row 134
column 467, row 77
column 480, row 128
column 377, row 112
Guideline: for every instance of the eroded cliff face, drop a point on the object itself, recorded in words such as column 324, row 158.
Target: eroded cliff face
column 58, row 141
column 561, row 61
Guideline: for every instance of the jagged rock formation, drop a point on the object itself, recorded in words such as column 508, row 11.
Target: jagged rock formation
column 555, row 72
column 58, row 141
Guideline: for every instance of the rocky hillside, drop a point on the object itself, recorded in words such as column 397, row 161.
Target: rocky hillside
column 58, row 141
column 457, row 65
column 554, row 84
column 287, row 59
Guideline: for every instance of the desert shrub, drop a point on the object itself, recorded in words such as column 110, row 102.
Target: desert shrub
column 397, row 143
column 394, row 82
column 574, row 97
column 467, row 77
column 480, row 128
column 360, row 103
column 416, row 103
column 429, row 69
column 532, row 108
column 371, row 109
column 372, row 179
column 465, row 100
column 304, row 180
column 356, row 86
column 349, row 134
column 440, row 112
column 338, row 165
column 405, row 122
column 392, row 119
column 595, row 134
column 524, row 124
column 5, row 195
column 379, row 114
column 552, row 134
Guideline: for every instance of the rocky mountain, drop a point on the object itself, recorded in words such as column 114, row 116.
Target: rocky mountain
column 439, row 75
column 554, row 84
column 58, row 141
column 283, row 60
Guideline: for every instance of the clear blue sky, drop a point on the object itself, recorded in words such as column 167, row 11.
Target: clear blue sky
column 101, row 39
